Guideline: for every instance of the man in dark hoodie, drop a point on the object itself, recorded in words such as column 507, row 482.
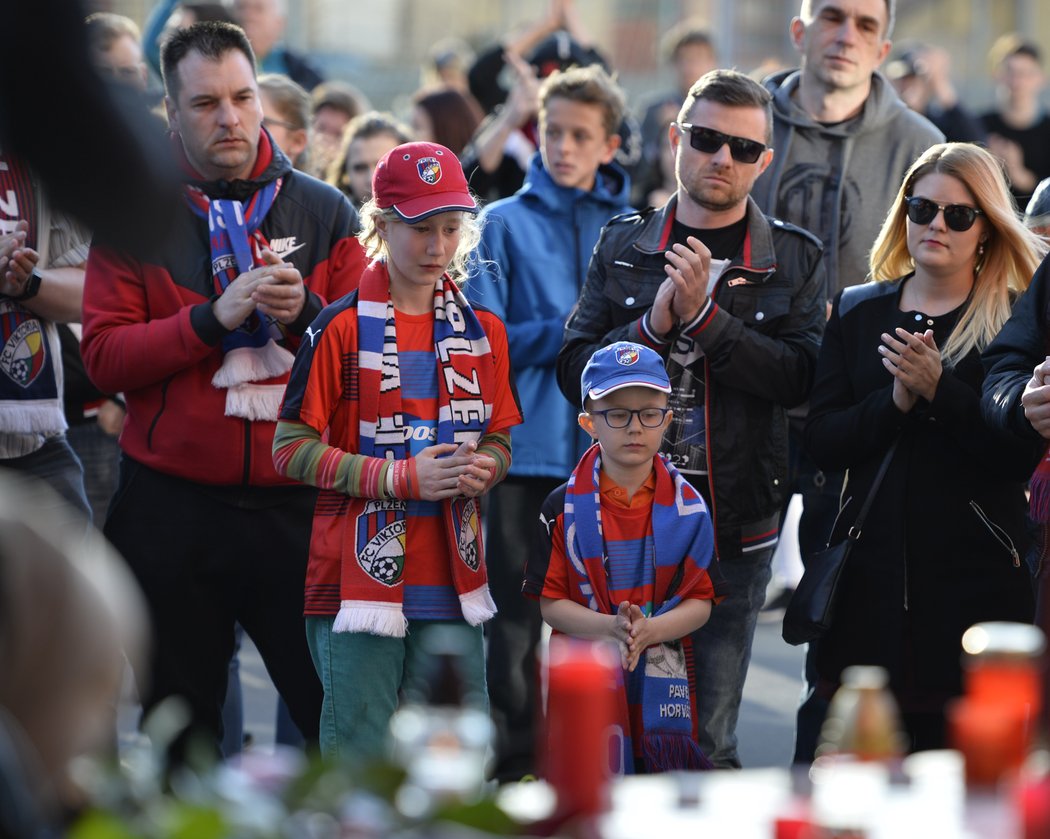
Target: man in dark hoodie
column 843, row 141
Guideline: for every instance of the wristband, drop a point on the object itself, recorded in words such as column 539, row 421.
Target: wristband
column 32, row 287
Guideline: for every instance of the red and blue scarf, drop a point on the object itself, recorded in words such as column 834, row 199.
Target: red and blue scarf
column 251, row 353
column 30, row 375
column 371, row 582
column 658, row 712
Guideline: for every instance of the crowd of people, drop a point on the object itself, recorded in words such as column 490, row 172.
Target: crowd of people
column 537, row 353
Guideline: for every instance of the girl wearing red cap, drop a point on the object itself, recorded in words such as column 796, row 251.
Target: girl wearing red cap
column 413, row 387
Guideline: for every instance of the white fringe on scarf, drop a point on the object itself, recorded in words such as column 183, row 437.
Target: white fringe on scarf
column 477, row 605
column 39, row 416
column 253, row 364
column 371, row 617
column 254, row 402
column 242, row 366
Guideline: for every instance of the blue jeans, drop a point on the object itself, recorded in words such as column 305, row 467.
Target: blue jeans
column 100, row 456
column 56, row 464
column 363, row 676
column 722, row 653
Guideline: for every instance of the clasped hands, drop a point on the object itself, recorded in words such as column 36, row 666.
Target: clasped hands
column 633, row 633
column 683, row 293
column 275, row 288
column 16, row 260
column 914, row 361
column 447, row 470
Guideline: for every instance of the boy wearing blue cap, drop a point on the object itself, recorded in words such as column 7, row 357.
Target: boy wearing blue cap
column 629, row 558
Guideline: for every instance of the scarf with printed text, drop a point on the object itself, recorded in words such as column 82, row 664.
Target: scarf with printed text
column 30, row 371
column 372, row 576
column 658, row 725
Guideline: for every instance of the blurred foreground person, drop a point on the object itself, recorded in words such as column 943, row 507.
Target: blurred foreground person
column 69, row 613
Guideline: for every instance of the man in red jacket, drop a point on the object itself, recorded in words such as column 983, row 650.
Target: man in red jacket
column 198, row 333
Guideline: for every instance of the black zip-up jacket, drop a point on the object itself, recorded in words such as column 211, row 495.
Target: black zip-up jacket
column 1022, row 343
column 759, row 336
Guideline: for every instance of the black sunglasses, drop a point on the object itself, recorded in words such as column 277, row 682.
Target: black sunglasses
column 958, row 217
column 710, row 141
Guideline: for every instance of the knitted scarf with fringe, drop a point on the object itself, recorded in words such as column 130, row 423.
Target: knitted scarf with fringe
column 30, row 368
column 372, row 571
column 251, row 353
column 658, row 707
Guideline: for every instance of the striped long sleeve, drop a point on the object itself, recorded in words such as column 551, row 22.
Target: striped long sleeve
column 300, row 454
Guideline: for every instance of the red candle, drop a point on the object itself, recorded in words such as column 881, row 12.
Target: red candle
column 993, row 738
column 580, row 715
column 1016, row 682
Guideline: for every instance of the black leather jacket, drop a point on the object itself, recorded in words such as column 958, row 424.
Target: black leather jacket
column 759, row 341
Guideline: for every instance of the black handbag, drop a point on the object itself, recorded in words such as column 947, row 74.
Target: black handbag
column 812, row 606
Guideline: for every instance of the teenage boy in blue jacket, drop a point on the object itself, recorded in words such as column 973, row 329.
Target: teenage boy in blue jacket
column 534, row 252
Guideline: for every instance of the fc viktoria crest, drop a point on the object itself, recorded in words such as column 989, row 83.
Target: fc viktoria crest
column 429, row 169
column 381, row 542
column 24, row 353
column 627, row 356
column 469, row 535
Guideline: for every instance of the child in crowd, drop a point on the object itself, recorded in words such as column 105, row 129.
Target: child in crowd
column 414, row 389
column 534, row 253
column 630, row 558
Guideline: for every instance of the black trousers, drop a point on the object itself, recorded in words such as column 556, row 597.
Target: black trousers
column 513, row 515
column 207, row 558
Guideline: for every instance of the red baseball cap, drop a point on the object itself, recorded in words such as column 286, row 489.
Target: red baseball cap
column 417, row 180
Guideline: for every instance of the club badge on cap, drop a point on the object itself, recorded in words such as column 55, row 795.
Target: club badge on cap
column 418, row 180
column 620, row 365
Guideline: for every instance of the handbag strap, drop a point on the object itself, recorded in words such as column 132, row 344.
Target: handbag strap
column 858, row 523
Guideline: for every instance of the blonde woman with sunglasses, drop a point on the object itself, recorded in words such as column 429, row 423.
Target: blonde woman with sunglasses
column 944, row 543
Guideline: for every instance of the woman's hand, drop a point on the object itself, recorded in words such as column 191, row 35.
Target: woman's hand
column 914, row 361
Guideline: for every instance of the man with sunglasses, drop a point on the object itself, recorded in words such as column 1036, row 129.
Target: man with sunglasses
column 845, row 140
column 734, row 302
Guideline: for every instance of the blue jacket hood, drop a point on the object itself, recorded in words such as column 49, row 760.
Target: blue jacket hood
column 612, row 187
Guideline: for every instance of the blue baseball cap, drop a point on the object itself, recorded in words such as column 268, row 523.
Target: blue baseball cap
column 620, row 365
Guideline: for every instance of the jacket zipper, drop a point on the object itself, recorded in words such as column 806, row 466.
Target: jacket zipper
column 247, row 453
column 707, row 428
column 707, row 449
column 1001, row 536
column 160, row 410
column 905, row 578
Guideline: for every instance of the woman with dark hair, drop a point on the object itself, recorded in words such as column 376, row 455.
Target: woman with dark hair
column 900, row 365
column 445, row 116
column 366, row 139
